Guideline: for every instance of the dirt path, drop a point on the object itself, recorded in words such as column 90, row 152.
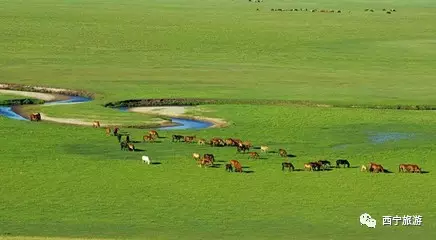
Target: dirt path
column 43, row 96
column 178, row 112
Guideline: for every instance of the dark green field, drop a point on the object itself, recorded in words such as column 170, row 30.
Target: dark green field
column 65, row 181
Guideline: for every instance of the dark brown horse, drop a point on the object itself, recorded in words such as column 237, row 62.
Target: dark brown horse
column 242, row 148
column 209, row 156
column 35, row 117
column 283, row 153
column 344, row 162
column 229, row 167
column 287, row 165
column 253, row 155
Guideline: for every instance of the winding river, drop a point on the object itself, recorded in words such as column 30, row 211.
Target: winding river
column 182, row 123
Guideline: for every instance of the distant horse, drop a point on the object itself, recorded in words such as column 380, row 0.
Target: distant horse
column 153, row 133
column 123, row 145
column 189, row 139
column 116, row 131
column 96, row 124
column 287, row 165
column 146, row 159
column 316, row 166
column 377, row 168
column 108, row 131
column 324, row 163
column 35, row 117
column 403, row 167
column 148, row 138
column 206, row 162
column 201, row 141
column 217, row 142
column 177, row 138
column 242, row 148
column 131, row 147
column 283, row 153
column 308, row 166
column 196, row 156
column 344, row 162
column 363, row 168
column 253, row 155
column 209, row 156
column 414, row 168
column 264, row 149
column 229, row 167
column 235, row 164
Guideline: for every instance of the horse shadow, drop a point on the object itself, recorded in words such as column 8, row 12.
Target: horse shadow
column 297, row 170
column 220, row 161
column 424, row 172
column 139, row 150
column 263, row 158
column 155, row 142
column 156, row 163
column 272, row 151
column 135, row 141
column 291, row 155
column 161, row 137
column 387, row 171
column 256, row 147
column 248, row 171
column 245, row 167
column 216, row 165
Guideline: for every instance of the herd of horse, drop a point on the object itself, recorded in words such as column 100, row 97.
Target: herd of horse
column 208, row 159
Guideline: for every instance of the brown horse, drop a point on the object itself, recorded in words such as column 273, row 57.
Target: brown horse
column 218, row 142
column 316, row 166
column 153, row 133
column 287, row 165
column 131, row 147
column 248, row 144
column 414, row 168
column 116, row 131
column 377, row 168
column 253, row 155
column 403, row 167
column 35, row 117
column 283, row 153
column 242, row 148
column 235, row 164
column 96, row 124
column 229, row 167
column 206, row 162
column 148, row 138
column 189, row 139
column 108, row 131
column 209, row 156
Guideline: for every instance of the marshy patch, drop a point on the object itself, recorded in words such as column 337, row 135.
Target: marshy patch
column 382, row 137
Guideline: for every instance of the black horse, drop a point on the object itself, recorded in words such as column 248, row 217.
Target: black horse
column 342, row 162
column 229, row 167
column 123, row 145
column 242, row 148
column 177, row 138
column 325, row 163
column 287, row 165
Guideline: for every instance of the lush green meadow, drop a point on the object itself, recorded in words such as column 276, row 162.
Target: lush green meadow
column 70, row 181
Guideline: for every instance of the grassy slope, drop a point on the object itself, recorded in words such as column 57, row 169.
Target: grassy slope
column 10, row 97
column 78, row 183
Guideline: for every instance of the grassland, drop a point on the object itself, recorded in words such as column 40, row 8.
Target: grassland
column 69, row 181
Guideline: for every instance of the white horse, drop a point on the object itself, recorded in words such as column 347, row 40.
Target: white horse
column 146, row 159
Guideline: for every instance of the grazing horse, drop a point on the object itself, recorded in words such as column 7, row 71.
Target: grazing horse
column 189, row 139
column 248, row 144
column 287, row 165
column 123, row 145
column 403, row 167
column 209, row 156
column 254, row 155
column 116, row 131
column 131, row 146
column 414, row 168
column 202, row 141
column 119, row 137
column 316, row 166
column 96, row 124
column 242, row 148
column 196, row 156
column 264, row 149
column 283, row 153
column 344, row 162
column 108, row 131
column 146, row 159
column 229, row 142
column 363, row 168
column 324, row 163
column 206, row 162
column 235, row 164
column 149, row 138
column 177, row 138
column 35, row 117
column 153, row 133
column 217, row 142
column 308, row 166
column 229, row 167
column 374, row 167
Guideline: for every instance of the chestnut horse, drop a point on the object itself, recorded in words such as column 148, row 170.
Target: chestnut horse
column 236, row 165
column 35, row 117
column 377, row 168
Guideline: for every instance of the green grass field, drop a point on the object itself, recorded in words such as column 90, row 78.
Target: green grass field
column 69, row 182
